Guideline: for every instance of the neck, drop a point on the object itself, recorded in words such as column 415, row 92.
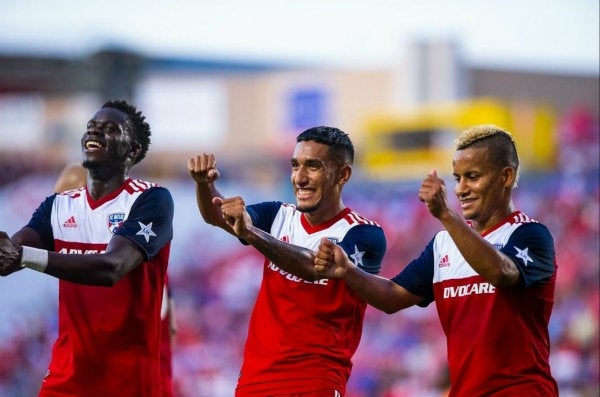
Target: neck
column 98, row 188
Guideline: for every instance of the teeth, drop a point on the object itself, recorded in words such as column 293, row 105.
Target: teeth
column 92, row 144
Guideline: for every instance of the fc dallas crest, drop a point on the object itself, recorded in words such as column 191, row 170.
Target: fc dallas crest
column 115, row 221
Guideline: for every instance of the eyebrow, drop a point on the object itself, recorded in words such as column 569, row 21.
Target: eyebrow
column 107, row 122
column 102, row 121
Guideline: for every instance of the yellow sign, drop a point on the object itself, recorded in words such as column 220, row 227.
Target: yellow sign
column 408, row 144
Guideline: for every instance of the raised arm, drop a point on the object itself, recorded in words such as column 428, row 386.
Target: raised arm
column 203, row 169
column 497, row 268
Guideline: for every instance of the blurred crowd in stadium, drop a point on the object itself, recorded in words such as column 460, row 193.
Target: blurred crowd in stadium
column 214, row 280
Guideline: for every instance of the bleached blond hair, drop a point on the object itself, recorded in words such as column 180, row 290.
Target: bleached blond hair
column 499, row 142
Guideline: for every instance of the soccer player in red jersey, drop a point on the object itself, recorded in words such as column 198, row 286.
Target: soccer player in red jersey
column 108, row 244
column 74, row 176
column 492, row 277
column 304, row 329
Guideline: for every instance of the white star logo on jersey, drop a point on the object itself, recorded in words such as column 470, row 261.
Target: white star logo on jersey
column 146, row 231
column 523, row 254
column 357, row 256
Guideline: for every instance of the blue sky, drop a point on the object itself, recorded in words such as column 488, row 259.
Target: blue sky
column 534, row 34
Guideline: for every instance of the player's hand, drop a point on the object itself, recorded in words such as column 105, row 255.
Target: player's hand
column 235, row 214
column 203, row 168
column 330, row 260
column 10, row 255
column 433, row 193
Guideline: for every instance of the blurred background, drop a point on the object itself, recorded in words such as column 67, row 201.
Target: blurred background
column 242, row 79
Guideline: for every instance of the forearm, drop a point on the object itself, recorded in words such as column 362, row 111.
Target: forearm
column 288, row 257
column 93, row 269
column 101, row 269
column 13, row 256
column 486, row 260
column 210, row 212
column 379, row 292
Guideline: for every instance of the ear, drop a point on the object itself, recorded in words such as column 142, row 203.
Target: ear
column 134, row 150
column 345, row 174
column 508, row 177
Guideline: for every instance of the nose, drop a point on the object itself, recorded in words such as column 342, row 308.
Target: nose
column 93, row 130
column 461, row 188
column 299, row 176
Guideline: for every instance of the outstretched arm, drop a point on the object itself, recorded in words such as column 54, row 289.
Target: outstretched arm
column 332, row 262
column 27, row 249
column 105, row 269
column 72, row 176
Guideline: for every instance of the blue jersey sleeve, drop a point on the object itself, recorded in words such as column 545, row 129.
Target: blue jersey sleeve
column 150, row 221
column 417, row 276
column 41, row 222
column 531, row 247
column 365, row 246
column 263, row 214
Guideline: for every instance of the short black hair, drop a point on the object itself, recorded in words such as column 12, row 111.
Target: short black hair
column 135, row 122
column 340, row 145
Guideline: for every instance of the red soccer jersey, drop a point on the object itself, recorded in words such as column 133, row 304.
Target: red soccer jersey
column 302, row 335
column 498, row 342
column 108, row 337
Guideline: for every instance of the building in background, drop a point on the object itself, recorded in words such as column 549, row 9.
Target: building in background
column 251, row 112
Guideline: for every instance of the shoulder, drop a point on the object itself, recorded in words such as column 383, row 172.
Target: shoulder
column 155, row 198
column 360, row 228
column 354, row 218
column 534, row 235
column 365, row 244
column 521, row 220
column 139, row 185
column 528, row 228
column 133, row 186
column 364, row 232
column 534, row 227
column 269, row 208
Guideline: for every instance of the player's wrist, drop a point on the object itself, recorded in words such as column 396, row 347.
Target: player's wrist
column 351, row 270
column 34, row 259
column 248, row 234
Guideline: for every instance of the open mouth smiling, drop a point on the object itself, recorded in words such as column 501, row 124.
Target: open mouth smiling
column 93, row 145
column 464, row 203
column 304, row 193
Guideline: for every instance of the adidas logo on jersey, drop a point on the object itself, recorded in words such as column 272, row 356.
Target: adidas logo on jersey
column 444, row 262
column 70, row 222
